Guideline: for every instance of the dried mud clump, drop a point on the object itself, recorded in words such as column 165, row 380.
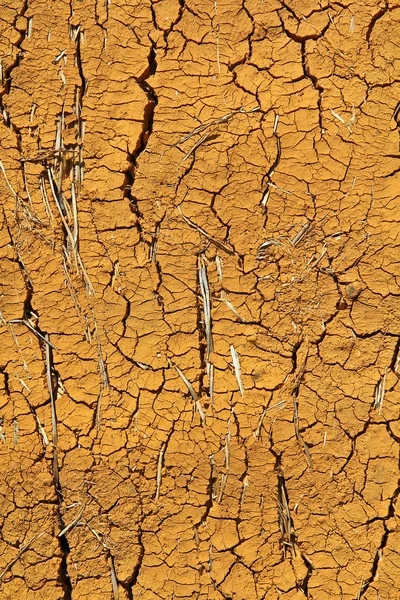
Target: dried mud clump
column 200, row 326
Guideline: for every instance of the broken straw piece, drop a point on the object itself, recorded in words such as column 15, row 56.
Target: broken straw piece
column 193, row 394
column 236, row 365
column 205, row 292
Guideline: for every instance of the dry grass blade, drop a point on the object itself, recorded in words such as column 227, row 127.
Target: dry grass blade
column 257, row 432
column 216, row 242
column 285, row 519
column 7, row 181
column 18, row 556
column 231, row 307
column 96, row 535
column 159, row 470
column 187, row 383
column 203, row 139
column 71, row 237
column 236, row 366
column 18, row 347
column 98, row 409
column 217, row 121
column 74, row 522
column 193, row 394
column 263, row 248
column 299, row 236
column 35, row 331
column 45, row 199
column 205, row 292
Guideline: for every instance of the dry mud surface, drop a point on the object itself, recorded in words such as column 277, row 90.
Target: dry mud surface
column 200, row 319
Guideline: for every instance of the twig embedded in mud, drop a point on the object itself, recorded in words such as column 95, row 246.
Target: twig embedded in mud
column 380, row 392
column 205, row 292
column 193, row 394
column 159, row 470
column 236, row 366
column 18, row 556
column 216, row 242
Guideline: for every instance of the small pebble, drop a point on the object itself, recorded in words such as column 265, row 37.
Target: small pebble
column 353, row 290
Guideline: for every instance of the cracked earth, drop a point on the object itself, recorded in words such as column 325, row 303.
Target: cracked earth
column 200, row 326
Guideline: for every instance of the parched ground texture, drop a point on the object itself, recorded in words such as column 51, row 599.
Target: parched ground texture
column 200, row 319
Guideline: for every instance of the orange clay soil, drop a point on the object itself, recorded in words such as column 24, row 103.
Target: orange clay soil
column 200, row 319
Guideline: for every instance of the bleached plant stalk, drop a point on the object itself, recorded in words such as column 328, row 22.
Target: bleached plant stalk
column 210, row 374
column 192, row 393
column 236, row 366
column 205, row 292
column 380, row 392
column 159, row 470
